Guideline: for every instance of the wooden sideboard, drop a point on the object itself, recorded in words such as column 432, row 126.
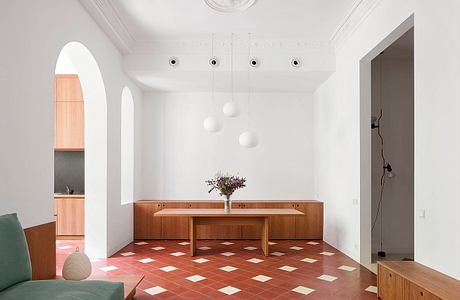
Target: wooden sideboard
column 308, row 226
column 401, row 280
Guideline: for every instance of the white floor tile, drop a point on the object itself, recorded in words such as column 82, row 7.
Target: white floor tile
column 195, row 278
column 201, row 260
column 277, row 253
column 93, row 260
column 227, row 243
column 327, row 253
column 303, row 290
column 184, row 243
column 168, row 269
column 158, row 248
column 287, row 268
column 229, row 290
column 64, row 247
column 312, row 243
column 372, row 289
column 255, row 260
column 346, row 268
column 228, row 269
column 250, row 248
column 146, row 260
column 327, row 277
column 272, row 243
column 309, row 260
column 141, row 243
column 296, row 248
column 108, row 268
column 204, row 248
column 127, row 254
column 155, row 290
column 228, row 254
column 177, row 254
column 262, row 278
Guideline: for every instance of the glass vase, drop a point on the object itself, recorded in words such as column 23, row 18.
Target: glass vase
column 227, row 204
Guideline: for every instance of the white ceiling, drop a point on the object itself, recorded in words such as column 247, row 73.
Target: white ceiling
column 148, row 20
column 149, row 32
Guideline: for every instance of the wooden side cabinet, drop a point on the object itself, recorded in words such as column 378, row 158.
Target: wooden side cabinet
column 403, row 280
column 310, row 225
column 146, row 226
column 69, row 114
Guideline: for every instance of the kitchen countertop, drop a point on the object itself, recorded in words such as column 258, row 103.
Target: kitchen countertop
column 68, row 196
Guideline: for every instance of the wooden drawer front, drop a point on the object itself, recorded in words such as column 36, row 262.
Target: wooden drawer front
column 419, row 293
column 309, row 226
column 216, row 232
column 146, row 226
column 282, row 227
column 392, row 286
column 174, row 227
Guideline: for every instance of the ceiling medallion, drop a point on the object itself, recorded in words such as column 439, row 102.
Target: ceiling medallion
column 228, row 6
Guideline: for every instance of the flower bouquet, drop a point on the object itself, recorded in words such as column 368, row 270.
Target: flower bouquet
column 226, row 185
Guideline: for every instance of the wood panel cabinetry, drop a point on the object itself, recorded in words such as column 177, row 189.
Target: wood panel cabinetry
column 69, row 114
column 174, row 227
column 310, row 225
column 146, row 226
column 70, row 215
column 401, row 280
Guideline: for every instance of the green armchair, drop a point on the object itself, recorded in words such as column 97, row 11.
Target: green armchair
column 16, row 273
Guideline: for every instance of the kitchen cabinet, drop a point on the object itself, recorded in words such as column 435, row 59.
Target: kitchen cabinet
column 69, row 114
column 70, row 215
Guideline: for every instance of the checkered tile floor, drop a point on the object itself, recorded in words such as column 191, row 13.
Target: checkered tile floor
column 235, row 269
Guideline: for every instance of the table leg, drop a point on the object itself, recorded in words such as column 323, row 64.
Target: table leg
column 192, row 230
column 264, row 239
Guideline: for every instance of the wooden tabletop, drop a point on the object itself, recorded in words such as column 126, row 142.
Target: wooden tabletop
column 233, row 213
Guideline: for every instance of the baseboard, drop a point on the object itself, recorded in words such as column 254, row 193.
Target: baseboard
column 117, row 248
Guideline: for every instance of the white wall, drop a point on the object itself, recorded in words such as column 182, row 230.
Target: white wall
column 437, row 134
column 337, row 120
column 338, row 115
column 33, row 34
column 179, row 155
column 393, row 92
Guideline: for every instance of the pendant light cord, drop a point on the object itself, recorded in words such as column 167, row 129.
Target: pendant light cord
column 249, row 76
column 231, row 66
column 212, row 73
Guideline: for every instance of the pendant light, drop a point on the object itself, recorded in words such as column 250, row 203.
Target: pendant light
column 230, row 108
column 249, row 138
column 212, row 124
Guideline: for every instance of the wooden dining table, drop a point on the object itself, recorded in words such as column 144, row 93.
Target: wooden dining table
column 218, row 217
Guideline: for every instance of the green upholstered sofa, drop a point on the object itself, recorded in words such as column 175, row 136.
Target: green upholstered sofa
column 16, row 273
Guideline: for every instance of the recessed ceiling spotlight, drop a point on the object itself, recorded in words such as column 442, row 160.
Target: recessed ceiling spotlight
column 173, row 61
column 254, row 62
column 296, row 62
column 214, row 62
column 229, row 6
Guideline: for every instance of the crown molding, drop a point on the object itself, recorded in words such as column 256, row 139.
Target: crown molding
column 105, row 14
column 360, row 10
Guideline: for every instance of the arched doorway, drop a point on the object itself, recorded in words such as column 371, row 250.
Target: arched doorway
column 95, row 145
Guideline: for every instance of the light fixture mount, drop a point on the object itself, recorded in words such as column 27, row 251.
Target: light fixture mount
column 229, row 6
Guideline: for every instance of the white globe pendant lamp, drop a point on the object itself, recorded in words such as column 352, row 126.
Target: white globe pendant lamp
column 248, row 139
column 231, row 110
column 212, row 124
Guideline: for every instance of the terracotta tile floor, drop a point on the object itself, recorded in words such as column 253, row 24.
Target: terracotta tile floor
column 296, row 270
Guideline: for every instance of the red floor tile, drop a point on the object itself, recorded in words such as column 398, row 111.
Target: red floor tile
column 348, row 285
